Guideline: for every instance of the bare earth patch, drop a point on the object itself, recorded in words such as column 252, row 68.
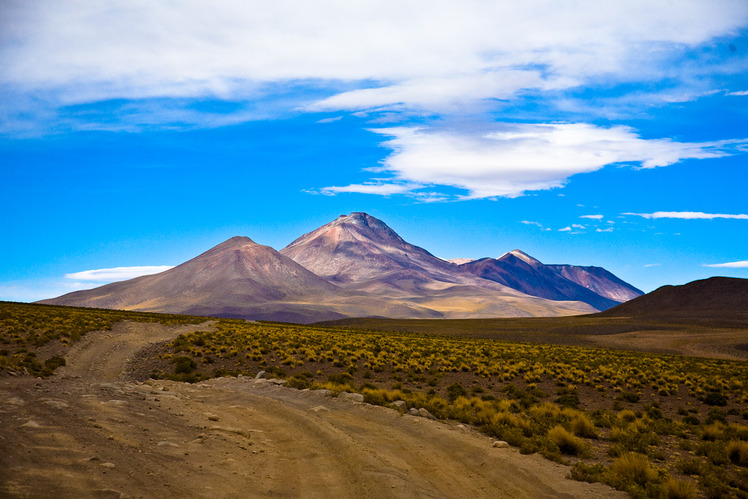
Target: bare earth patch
column 94, row 430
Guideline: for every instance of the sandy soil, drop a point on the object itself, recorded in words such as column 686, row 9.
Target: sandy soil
column 94, row 430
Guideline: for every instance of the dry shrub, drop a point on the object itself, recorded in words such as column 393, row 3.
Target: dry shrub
column 680, row 489
column 737, row 452
column 581, row 426
column 566, row 441
column 633, row 467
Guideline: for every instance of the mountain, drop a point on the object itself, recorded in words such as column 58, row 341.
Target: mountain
column 716, row 298
column 356, row 247
column 356, row 266
column 518, row 270
column 237, row 278
column 362, row 254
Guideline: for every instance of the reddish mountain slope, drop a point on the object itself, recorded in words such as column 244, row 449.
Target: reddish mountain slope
column 717, row 298
column 237, row 278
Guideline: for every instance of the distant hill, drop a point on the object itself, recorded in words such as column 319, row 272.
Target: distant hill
column 716, row 298
column 357, row 266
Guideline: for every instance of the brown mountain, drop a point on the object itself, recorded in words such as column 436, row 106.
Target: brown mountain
column 518, row 270
column 362, row 254
column 716, row 298
column 237, row 278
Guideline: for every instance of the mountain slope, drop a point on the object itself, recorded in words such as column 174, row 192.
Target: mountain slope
column 518, row 270
column 715, row 298
column 522, row 272
column 358, row 246
column 598, row 280
column 234, row 279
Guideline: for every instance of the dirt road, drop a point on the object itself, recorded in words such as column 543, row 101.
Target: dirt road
column 94, row 431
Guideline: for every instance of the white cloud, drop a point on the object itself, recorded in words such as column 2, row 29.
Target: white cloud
column 652, row 265
column 593, row 217
column 117, row 273
column 371, row 188
column 516, row 158
column 609, row 229
column 688, row 215
column 432, row 55
column 742, row 92
column 528, row 222
column 565, row 229
column 729, row 265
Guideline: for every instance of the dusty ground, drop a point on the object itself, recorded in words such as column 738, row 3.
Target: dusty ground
column 94, row 430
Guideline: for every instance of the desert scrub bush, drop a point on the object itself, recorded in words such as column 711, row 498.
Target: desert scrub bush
column 582, row 426
column 566, row 442
column 679, row 489
column 737, row 452
column 632, row 468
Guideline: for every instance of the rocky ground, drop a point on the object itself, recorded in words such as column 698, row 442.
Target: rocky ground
column 97, row 429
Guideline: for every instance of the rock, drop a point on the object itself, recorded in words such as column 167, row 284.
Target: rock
column 57, row 404
column 166, row 443
column 413, row 412
column 320, row 408
column 261, row 375
column 500, row 444
column 31, row 424
column 425, row 414
column 356, row 397
column 276, row 381
column 323, row 392
column 116, row 402
column 211, row 417
column 400, row 405
column 107, row 465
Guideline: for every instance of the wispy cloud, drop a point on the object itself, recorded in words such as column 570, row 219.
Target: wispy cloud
column 117, row 273
column 510, row 159
column 729, row 265
column 383, row 189
column 652, row 265
column 688, row 215
column 593, row 217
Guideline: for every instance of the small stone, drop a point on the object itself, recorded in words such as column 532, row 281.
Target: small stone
column 500, row 444
column 108, row 465
column 261, row 375
column 413, row 411
column 31, row 424
column 212, row 417
column 425, row 414
column 356, row 397
column 57, row 404
column 400, row 405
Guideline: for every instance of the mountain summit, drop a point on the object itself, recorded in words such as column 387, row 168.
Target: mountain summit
column 357, row 247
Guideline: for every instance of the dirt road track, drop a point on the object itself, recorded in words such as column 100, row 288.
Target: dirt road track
column 92, row 432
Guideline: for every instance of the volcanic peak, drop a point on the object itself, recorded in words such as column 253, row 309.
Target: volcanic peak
column 521, row 255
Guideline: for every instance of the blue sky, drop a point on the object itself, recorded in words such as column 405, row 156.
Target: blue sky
column 136, row 135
